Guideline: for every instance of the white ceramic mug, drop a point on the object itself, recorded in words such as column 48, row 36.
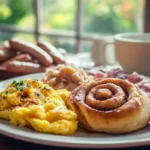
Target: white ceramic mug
column 132, row 52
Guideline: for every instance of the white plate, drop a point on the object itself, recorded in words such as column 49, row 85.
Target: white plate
column 79, row 139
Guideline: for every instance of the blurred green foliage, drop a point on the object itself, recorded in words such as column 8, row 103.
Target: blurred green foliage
column 111, row 16
column 100, row 16
column 58, row 14
column 12, row 11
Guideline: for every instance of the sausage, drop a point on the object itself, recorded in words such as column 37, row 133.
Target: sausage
column 6, row 45
column 32, row 49
column 52, row 51
column 22, row 57
column 62, row 51
column 24, row 67
column 4, row 74
column 2, row 55
column 5, row 54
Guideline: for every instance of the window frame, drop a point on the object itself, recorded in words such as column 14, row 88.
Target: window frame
column 78, row 35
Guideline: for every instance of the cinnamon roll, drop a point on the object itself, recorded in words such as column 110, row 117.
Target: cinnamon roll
column 110, row 105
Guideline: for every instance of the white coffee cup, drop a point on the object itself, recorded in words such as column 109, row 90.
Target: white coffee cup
column 132, row 52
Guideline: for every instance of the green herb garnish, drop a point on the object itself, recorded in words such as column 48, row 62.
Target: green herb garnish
column 21, row 89
column 21, row 83
column 17, row 87
column 38, row 94
column 28, row 85
column 44, row 88
column 7, row 92
column 14, row 82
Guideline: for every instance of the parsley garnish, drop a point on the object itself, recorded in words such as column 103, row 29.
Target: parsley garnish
column 28, row 85
column 21, row 89
column 38, row 94
column 44, row 88
column 21, row 83
column 7, row 92
column 14, row 82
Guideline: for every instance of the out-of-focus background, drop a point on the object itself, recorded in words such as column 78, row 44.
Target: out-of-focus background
column 69, row 24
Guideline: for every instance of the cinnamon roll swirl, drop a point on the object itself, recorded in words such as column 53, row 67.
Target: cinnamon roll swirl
column 110, row 105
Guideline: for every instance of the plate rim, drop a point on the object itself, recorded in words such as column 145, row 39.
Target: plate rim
column 64, row 143
column 132, row 143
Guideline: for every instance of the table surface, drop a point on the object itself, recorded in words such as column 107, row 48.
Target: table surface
column 7, row 143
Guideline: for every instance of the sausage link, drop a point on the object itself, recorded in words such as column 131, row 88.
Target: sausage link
column 32, row 49
column 4, row 74
column 52, row 51
column 5, row 54
column 22, row 57
column 24, row 67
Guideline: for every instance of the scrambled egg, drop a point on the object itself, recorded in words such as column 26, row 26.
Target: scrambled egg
column 33, row 104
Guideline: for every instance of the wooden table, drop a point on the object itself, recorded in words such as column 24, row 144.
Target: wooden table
column 7, row 143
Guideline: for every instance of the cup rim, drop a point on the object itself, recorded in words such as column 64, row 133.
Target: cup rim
column 121, row 37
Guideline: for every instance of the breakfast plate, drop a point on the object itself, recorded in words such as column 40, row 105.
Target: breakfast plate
column 81, row 138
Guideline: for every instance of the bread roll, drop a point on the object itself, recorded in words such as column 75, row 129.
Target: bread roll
column 110, row 105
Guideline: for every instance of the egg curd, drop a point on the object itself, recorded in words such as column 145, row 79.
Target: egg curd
column 33, row 104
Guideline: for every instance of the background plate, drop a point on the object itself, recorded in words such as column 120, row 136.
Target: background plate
column 80, row 139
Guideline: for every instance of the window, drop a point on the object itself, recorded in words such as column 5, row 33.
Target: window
column 69, row 24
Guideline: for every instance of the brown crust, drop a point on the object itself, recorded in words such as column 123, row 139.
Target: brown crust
column 131, row 115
